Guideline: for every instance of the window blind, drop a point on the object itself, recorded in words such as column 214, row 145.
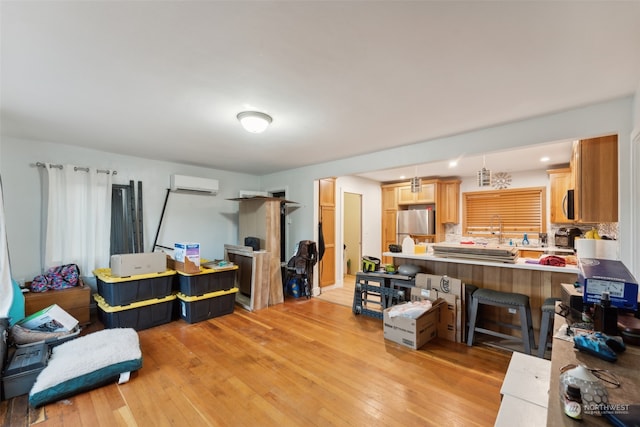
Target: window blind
column 520, row 210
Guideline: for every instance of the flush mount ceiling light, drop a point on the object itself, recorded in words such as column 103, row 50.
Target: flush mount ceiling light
column 254, row 121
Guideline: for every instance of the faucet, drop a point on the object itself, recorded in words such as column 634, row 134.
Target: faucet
column 500, row 236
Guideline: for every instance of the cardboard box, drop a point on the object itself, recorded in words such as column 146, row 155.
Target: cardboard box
column 187, row 252
column 448, row 318
column 599, row 275
column 50, row 319
column 126, row 265
column 451, row 317
column 442, row 284
column 185, row 267
column 412, row 333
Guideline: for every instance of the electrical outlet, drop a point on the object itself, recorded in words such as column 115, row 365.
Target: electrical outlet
column 512, row 311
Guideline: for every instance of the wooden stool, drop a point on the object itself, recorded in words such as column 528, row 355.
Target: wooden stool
column 516, row 301
column 546, row 324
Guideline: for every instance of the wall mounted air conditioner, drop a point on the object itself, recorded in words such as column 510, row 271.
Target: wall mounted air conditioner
column 194, row 184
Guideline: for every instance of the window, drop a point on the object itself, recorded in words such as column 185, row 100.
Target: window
column 126, row 219
column 517, row 211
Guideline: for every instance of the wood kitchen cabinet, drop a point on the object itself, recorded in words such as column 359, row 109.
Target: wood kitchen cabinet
column 327, row 266
column 448, row 205
column 444, row 195
column 389, row 213
column 559, row 183
column 594, row 176
column 424, row 196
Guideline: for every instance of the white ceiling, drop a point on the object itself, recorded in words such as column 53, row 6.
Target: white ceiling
column 165, row 80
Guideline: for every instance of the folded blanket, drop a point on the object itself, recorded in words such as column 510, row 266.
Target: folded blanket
column 554, row 260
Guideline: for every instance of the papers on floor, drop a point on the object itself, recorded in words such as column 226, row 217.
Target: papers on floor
column 50, row 319
column 411, row 310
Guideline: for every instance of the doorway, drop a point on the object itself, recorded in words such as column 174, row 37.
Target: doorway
column 352, row 233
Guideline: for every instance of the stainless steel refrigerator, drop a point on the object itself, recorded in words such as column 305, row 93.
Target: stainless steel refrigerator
column 415, row 222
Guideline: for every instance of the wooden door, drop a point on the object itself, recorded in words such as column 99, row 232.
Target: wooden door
column 327, row 196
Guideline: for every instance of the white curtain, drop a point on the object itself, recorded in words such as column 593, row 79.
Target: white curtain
column 6, row 288
column 77, row 219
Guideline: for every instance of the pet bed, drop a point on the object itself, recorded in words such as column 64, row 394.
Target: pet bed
column 86, row 363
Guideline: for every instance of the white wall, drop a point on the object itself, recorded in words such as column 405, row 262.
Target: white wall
column 594, row 120
column 634, row 165
column 22, row 188
column 518, row 180
column 211, row 221
column 371, row 217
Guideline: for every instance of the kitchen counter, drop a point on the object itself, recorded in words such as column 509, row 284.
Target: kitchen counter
column 534, row 280
column 521, row 263
column 546, row 249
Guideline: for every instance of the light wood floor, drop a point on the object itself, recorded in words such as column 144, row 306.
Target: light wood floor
column 342, row 295
column 301, row 363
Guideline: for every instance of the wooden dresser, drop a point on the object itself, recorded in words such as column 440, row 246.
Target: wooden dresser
column 74, row 301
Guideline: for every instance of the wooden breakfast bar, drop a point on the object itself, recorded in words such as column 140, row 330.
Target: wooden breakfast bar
column 534, row 280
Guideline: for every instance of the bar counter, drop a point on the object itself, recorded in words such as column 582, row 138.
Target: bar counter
column 537, row 281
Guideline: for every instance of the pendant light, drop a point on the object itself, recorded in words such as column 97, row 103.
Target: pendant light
column 484, row 175
column 416, row 183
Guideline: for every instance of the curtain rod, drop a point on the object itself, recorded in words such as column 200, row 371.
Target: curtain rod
column 77, row 168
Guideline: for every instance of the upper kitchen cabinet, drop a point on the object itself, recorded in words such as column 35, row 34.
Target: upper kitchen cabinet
column 448, row 204
column 427, row 194
column 594, row 179
column 559, row 183
column 444, row 195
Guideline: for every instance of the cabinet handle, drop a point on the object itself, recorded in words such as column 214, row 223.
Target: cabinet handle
column 564, row 206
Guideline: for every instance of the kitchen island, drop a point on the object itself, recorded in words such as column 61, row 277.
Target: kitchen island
column 537, row 281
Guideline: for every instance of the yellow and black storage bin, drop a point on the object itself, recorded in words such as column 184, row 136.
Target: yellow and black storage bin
column 138, row 315
column 120, row 291
column 208, row 280
column 214, row 304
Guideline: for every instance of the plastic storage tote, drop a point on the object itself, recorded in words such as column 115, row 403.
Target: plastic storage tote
column 207, row 281
column 23, row 369
column 207, row 306
column 126, row 290
column 139, row 315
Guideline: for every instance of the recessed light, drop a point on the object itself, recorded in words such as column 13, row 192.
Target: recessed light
column 544, row 159
column 453, row 163
column 402, row 177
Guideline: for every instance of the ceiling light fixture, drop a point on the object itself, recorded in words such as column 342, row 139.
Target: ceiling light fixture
column 254, row 121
